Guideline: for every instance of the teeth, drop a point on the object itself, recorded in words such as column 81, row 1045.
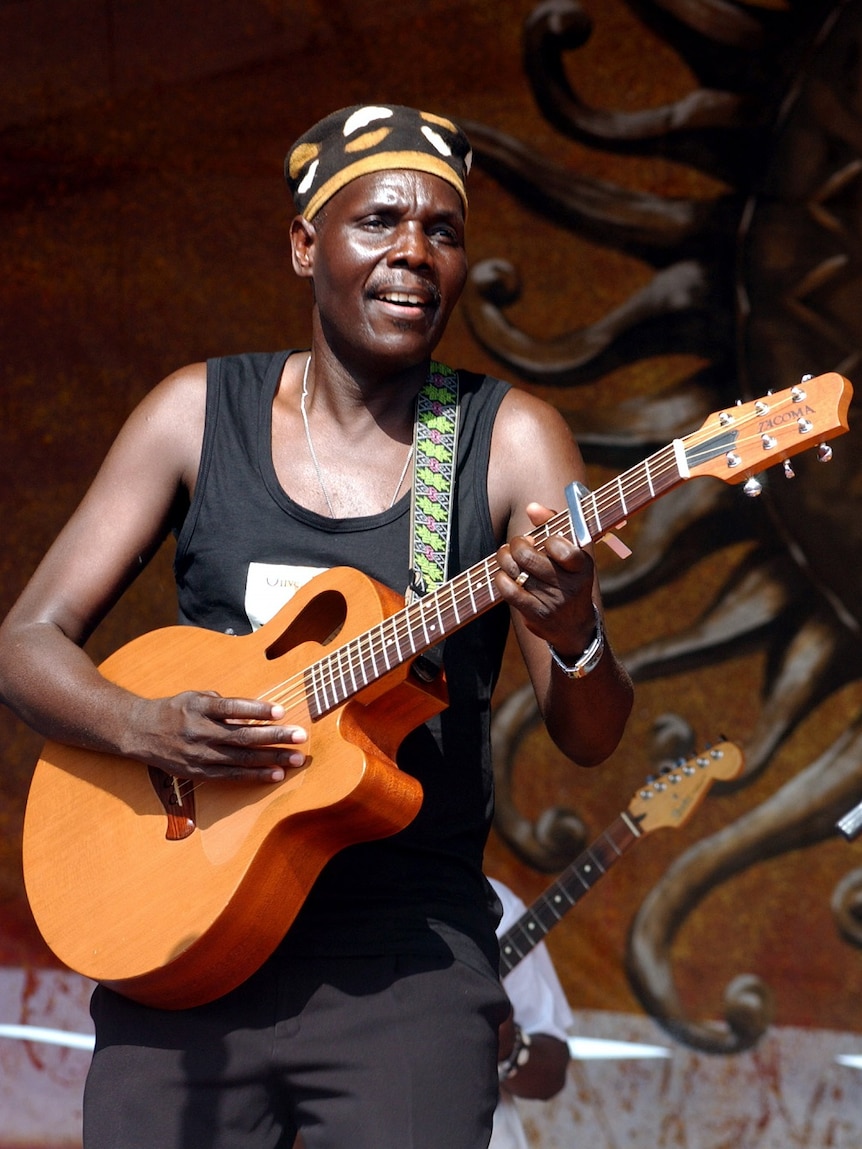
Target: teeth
column 402, row 297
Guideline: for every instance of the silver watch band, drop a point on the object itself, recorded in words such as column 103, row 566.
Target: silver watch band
column 591, row 657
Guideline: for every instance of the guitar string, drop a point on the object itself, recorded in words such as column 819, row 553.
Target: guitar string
column 292, row 693
column 453, row 588
column 283, row 692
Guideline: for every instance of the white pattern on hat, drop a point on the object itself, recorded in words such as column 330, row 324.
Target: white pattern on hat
column 364, row 116
column 436, row 140
column 308, row 178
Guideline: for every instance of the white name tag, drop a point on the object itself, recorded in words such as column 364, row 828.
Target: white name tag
column 268, row 586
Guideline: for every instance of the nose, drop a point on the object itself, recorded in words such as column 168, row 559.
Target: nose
column 411, row 247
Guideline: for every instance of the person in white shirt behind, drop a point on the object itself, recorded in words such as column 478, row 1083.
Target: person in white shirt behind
column 536, row 1065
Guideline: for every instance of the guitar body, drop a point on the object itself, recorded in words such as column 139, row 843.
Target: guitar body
column 173, row 903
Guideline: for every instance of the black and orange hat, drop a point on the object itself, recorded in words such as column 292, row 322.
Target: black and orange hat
column 370, row 138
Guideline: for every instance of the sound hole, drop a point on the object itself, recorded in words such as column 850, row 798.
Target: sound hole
column 319, row 621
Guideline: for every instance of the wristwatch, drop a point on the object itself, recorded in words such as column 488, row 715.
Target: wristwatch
column 519, row 1056
column 591, row 657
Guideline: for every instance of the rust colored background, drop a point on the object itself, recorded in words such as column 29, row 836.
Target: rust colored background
column 144, row 224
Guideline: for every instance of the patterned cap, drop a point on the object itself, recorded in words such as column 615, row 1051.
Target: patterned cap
column 372, row 138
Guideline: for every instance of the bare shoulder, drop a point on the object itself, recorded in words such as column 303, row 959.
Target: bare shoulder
column 534, row 456
column 524, row 418
column 183, row 392
column 169, row 422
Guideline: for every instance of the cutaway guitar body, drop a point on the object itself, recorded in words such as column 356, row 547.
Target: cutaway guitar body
column 173, row 894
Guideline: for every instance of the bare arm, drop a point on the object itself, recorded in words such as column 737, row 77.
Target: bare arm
column 543, row 1073
column 533, row 459
column 47, row 678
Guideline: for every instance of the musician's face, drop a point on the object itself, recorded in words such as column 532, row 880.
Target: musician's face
column 388, row 263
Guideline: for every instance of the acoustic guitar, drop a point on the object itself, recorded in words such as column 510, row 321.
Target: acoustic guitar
column 173, row 893
column 668, row 800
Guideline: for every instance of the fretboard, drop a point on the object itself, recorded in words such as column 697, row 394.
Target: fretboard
column 343, row 673
column 575, row 881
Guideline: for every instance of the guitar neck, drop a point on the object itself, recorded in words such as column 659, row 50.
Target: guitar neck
column 575, row 881
column 340, row 675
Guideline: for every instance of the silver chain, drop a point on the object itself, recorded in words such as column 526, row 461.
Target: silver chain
column 313, row 453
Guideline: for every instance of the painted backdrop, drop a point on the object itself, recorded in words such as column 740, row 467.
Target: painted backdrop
column 664, row 220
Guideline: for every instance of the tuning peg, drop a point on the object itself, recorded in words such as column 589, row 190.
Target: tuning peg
column 789, row 473
column 806, row 378
column 824, row 453
column 752, row 487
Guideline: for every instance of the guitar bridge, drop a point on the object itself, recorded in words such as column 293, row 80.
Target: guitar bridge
column 177, row 796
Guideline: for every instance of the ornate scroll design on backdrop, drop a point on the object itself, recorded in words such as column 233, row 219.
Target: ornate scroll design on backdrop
column 760, row 282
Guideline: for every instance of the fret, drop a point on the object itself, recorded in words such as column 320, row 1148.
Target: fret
column 411, row 642
column 391, row 644
column 550, row 908
column 420, row 612
column 585, row 872
column 365, row 663
column 387, row 641
column 341, row 669
column 329, row 680
column 312, row 692
column 450, row 591
column 648, row 473
column 621, row 490
column 473, row 607
column 437, row 627
column 634, row 490
column 591, row 516
column 507, row 950
column 439, row 598
column 485, row 586
column 346, row 674
column 336, row 677
column 354, row 685
column 326, row 702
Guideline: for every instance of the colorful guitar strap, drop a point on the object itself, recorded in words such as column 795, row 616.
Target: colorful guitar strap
column 435, row 445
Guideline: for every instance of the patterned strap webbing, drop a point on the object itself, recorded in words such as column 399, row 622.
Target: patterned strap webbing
column 436, row 449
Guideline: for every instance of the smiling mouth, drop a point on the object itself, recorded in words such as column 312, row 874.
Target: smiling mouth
column 400, row 298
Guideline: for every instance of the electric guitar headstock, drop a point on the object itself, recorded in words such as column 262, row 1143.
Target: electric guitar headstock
column 674, row 794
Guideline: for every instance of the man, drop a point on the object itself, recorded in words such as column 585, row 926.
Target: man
column 375, row 1021
column 535, row 1067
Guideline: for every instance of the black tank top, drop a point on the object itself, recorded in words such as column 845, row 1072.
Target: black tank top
column 241, row 531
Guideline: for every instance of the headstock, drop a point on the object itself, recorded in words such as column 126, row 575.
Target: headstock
column 737, row 443
column 672, row 797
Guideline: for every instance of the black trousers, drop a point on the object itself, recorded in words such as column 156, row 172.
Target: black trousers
column 359, row 1053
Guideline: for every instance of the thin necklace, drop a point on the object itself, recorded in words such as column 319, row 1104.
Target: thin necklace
column 313, row 453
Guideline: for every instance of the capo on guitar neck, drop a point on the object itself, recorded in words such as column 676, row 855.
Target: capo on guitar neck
column 574, row 493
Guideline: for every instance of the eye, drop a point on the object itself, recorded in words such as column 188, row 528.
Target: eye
column 376, row 221
column 445, row 232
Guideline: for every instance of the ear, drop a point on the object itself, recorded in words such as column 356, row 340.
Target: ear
column 302, row 236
